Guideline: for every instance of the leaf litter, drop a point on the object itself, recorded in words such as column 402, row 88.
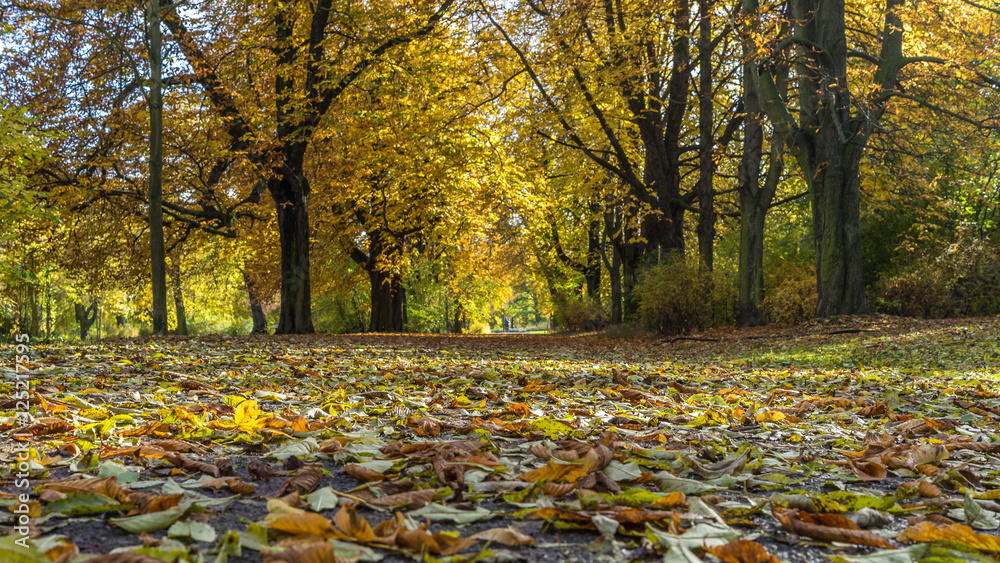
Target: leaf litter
column 857, row 439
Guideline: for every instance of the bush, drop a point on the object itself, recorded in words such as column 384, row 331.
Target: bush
column 678, row 297
column 578, row 314
column 964, row 281
column 791, row 293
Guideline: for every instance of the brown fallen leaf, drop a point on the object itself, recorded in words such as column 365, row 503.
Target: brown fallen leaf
column 827, row 527
column 179, row 446
column 362, row 473
column 412, row 499
column 43, row 427
column 742, row 551
column 558, row 489
column 188, row 464
column 234, row 484
column 107, row 486
column 314, row 552
column 305, row 480
column 925, row 489
column 438, row 544
column 306, row 524
column 929, row 532
column 867, row 470
column 148, row 503
column 597, row 458
column 352, row 525
column 260, row 470
column 555, row 472
column 504, row 536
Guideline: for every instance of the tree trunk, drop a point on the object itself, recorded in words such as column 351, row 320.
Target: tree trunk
column 616, row 286
column 754, row 199
column 828, row 142
column 456, row 327
column 706, row 166
column 386, row 302
column 386, row 283
column 837, row 222
column 290, row 192
column 592, row 268
column 175, row 279
column 86, row 317
column 256, row 309
column 612, row 227
column 157, row 250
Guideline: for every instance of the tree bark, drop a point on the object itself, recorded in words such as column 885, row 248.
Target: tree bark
column 706, row 128
column 755, row 199
column 386, row 301
column 157, row 250
column 175, row 278
column 256, row 308
column 290, row 190
column 592, row 269
column 828, row 142
column 86, row 317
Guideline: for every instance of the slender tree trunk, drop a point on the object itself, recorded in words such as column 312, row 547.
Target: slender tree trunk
column 755, row 199
column 456, row 327
column 592, row 269
column 706, row 166
column 616, row 286
column 256, row 309
column 612, row 228
column 175, row 279
column 157, row 250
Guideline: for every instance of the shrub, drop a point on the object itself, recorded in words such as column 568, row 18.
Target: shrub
column 791, row 293
column 579, row 314
column 963, row 281
column 678, row 297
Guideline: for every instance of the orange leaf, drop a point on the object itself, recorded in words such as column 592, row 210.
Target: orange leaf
column 928, row 532
column 554, row 471
column 742, row 551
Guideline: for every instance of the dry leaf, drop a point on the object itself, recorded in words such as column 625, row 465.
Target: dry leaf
column 827, row 527
column 362, row 473
column 867, row 470
column 505, row 536
column 555, row 471
column 742, row 551
column 929, row 532
column 305, row 480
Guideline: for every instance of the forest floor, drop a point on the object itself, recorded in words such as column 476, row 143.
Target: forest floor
column 854, row 439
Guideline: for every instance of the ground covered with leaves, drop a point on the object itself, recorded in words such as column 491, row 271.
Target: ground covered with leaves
column 870, row 439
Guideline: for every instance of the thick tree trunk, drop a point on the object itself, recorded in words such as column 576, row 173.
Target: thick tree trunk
column 175, row 278
column 830, row 157
column 291, row 196
column 157, row 249
column 387, row 292
column 837, row 223
column 386, row 302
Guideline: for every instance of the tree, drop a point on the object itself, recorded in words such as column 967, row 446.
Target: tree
column 311, row 44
